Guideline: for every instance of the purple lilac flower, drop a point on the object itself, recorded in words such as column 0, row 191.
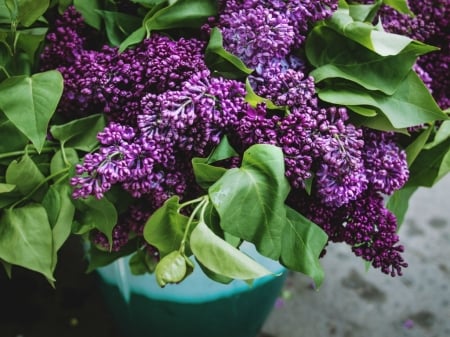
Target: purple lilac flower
column 298, row 14
column 386, row 165
column 364, row 224
column 340, row 176
column 285, row 83
column 65, row 41
column 194, row 118
column 256, row 126
column 371, row 230
column 106, row 167
column 113, row 83
column 296, row 139
column 256, row 35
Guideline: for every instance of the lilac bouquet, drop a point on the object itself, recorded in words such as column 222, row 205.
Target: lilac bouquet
column 174, row 130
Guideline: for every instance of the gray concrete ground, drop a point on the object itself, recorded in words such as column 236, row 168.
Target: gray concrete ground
column 356, row 303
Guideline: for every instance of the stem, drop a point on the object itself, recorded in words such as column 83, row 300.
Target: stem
column 190, row 202
column 204, row 201
column 26, row 151
column 63, row 153
column 5, row 71
column 38, row 186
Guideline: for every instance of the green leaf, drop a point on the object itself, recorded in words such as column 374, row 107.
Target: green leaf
column 134, row 38
column 16, row 139
column 5, row 188
column 363, row 111
column 253, row 99
column 398, row 203
column 430, row 166
column 29, row 103
column 61, row 228
column 119, row 25
column 141, row 263
column 81, row 133
column 173, row 268
column 377, row 122
column 413, row 149
column 222, row 258
column 222, row 151
column 364, row 12
column 25, row 175
column 442, row 134
column 250, row 199
column 366, row 34
column 60, row 212
column 165, row 227
column 26, row 239
column 12, row 7
column 181, row 14
column 29, row 40
column 220, row 59
column 344, row 58
column 411, row 105
column 30, row 10
column 52, row 204
column 88, row 9
column 99, row 213
column 303, row 242
column 214, row 276
column 205, row 174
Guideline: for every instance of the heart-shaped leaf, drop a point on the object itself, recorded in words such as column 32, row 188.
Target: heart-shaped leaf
column 250, row 199
column 29, row 103
column 26, row 239
column 165, row 228
column 99, row 213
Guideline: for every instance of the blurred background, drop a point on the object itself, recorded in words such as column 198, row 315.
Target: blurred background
column 352, row 302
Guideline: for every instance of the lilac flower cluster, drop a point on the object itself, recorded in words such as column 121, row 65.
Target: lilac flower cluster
column 341, row 175
column 261, row 31
column 164, row 107
column 386, row 165
column 364, row 224
column 194, row 118
column 112, row 82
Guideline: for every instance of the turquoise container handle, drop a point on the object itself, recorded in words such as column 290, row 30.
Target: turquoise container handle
column 197, row 307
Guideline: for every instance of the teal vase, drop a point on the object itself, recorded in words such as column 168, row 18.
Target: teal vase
column 197, row 307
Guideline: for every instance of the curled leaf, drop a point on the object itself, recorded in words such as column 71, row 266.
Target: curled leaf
column 221, row 258
column 172, row 268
